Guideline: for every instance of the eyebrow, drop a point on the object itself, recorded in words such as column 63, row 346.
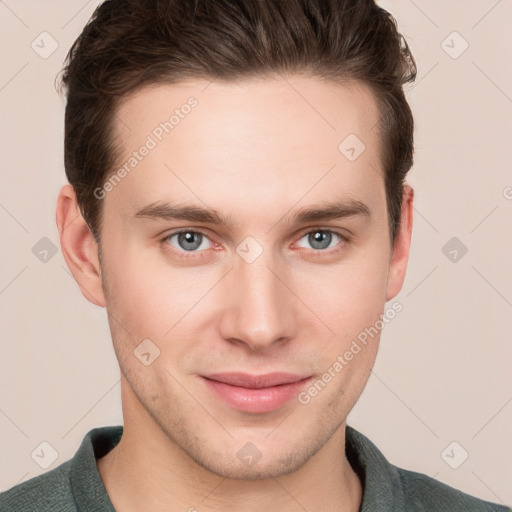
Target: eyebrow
column 324, row 211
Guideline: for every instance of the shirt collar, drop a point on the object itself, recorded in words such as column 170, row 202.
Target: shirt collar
column 382, row 489
column 380, row 480
column 86, row 484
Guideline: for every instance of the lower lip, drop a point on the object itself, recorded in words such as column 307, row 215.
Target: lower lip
column 256, row 400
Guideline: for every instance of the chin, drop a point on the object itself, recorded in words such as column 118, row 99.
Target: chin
column 249, row 463
column 259, row 471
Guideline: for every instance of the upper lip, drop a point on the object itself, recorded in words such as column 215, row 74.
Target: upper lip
column 245, row 380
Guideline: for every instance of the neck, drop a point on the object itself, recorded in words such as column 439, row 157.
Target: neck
column 148, row 471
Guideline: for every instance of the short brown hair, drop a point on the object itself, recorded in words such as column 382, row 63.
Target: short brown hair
column 131, row 43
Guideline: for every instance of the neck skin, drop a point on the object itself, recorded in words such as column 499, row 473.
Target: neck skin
column 147, row 471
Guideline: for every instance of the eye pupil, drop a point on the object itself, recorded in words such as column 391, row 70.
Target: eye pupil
column 321, row 237
column 189, row 240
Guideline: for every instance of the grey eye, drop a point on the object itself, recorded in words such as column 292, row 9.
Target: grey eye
column 188, row 240
column 320, row 239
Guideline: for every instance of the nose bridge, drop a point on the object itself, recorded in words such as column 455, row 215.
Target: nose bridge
column 261, row 307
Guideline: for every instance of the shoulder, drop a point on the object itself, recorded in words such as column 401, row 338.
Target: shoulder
column 72, row 486
column 388, row 487
column 422, row 492
column 48, row 492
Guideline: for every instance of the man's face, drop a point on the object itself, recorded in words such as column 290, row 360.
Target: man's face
column 261, row 293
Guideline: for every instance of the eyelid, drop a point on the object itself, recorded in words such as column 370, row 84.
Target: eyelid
column 186, row 254
column 311, row 229
column 343, row 236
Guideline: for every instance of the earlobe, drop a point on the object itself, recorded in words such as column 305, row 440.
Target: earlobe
column 401, row 246
column 78, row 246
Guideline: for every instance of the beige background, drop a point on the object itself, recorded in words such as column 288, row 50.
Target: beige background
column 443, row 373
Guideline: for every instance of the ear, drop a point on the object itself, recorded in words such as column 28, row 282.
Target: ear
column 78, row 246
column 401, row 246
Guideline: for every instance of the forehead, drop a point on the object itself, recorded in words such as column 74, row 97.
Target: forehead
column 227, row 110
column 265, row 139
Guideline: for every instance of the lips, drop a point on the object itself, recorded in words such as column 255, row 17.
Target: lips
column 245, row 380
column 255, row 393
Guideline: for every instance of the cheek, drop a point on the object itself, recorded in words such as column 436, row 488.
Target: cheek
column 351, row 305
column 348, row 297
column 149, row 296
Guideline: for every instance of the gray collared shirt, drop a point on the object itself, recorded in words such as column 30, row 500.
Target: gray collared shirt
column 76, row 485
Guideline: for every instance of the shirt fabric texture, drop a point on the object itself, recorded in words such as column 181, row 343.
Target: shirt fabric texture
column 76, row 485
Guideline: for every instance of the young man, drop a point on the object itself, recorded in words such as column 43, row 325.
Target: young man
column 237, row 203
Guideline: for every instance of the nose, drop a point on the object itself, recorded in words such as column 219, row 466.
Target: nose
column 261, row 309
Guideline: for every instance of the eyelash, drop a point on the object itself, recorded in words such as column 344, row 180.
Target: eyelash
column 192, row 254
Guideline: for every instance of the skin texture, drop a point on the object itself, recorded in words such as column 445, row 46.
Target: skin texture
column 256, row 152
